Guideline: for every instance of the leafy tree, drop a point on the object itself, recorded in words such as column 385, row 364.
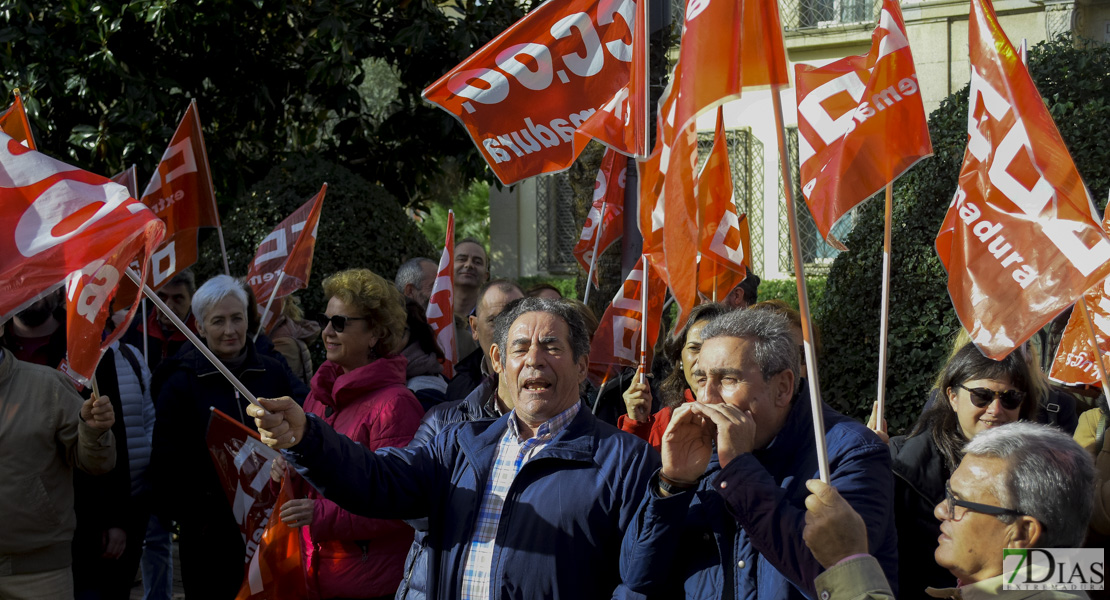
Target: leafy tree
column 106, row 83
column 1071, row 76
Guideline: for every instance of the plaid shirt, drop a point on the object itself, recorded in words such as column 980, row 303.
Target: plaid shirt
column 512, row 453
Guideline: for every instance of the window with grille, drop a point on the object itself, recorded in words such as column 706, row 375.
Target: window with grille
column 556, row 230
column 817, row 255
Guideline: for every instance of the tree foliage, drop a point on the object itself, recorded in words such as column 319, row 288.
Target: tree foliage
column 107, row 82
column 1071, row 77
column 361, row 225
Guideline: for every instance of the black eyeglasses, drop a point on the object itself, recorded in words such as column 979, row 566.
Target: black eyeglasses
column 338, row 322
column 950, row 504
column 981, row 397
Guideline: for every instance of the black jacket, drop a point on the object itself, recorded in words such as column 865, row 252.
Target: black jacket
column 919, row 478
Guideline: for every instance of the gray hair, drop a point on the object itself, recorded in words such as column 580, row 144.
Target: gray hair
column 1049, row 477
column 774, row 348
column 579, row 336
column 412, row 272
column 214, row 291
column 503, row 285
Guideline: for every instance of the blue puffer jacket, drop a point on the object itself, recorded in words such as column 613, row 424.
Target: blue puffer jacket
column 564, row 517
column 676, row 546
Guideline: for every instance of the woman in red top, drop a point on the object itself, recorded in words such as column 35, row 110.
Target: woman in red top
column 360, row 391
column 682, row 350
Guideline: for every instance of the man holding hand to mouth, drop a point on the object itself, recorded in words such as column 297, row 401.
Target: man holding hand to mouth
column 532, row 505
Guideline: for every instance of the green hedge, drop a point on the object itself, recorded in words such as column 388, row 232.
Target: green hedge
column 1072, row 78
column 787, row 290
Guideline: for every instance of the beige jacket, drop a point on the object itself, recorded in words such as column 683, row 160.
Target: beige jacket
column 42, row 438
column 862, row 579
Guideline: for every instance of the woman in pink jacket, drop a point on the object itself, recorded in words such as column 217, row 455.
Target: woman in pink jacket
column 360, row 391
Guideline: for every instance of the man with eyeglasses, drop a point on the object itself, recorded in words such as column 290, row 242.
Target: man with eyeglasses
column 1008, row 492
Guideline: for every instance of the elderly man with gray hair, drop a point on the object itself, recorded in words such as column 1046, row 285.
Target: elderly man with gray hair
column 724, row 516
column 531, row 505
column 1021, row 485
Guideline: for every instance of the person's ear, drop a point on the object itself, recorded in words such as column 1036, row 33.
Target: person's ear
column 583, row 364
column 495, row 358
column 783, row 387
column 473, row 321
column 951, row 398
column 1025, row 532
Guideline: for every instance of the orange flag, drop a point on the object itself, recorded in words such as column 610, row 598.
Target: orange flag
column 619, row 123
column 277, row 569
column 522, row 96
column 861, row 122
column 441, row 306
column 286, row 254
column 61, row 225
column 14, row 123
column 128, row 178
column 616, row 344
column 1020, row 241
column 1074, row 363
column 725, row 240
column 180, row 193
column 608, row 194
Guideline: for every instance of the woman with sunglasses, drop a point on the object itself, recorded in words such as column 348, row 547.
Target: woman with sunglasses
column 360, row 391
column 186, row 486
column 975, row 394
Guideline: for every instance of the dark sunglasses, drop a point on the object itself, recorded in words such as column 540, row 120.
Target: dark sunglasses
column 338, row 322
column 982, row 397
column 950, row 504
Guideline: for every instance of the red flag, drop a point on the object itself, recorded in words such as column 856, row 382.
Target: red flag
column 608, row 192
column 180, row 193
column 1020, row 240
column 861, row 122
column 288, row 249
column 522, row 96
column 619, row 123
column 616, row 343
column 1074, row 362
column 243, row 464
column 14, row 123
column 725, row 241
column 128, row 178
column 441, row 306
column 277, row 570
column 62, row 224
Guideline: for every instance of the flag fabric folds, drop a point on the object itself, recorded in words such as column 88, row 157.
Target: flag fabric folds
column 441, row 306
column 180, row 193
column 64, row 225
column 286, row 255
column 861, row 122
column 608, row 193
column 523, row 95
column 725, row 239
column 14, row 123
column 1020, row 240
column 274, row 563
column 128, row 178
column 616, row 343
column 1074, row 362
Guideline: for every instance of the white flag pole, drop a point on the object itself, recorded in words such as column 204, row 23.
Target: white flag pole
column 146, row 345
column 269, row 303
column 803, row 299
column 149, row 293
column 644, row 318
column 593, row 257
column 884, row 318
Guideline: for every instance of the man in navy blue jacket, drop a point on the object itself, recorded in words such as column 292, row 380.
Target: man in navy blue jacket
column 724, row 517
column 532, row 505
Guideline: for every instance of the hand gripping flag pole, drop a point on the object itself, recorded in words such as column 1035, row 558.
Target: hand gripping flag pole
column 149, row 293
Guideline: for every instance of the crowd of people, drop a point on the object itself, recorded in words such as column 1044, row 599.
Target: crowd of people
column 695, row 476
